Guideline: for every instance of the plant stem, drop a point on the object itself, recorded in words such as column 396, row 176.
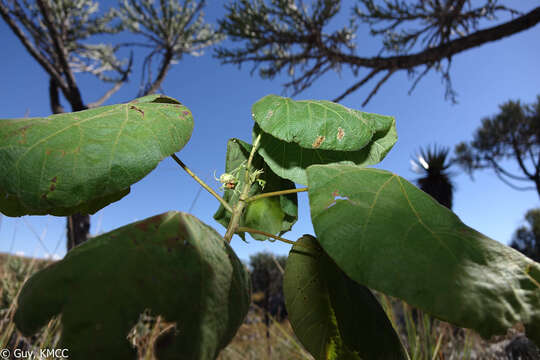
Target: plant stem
column 203, row 184
column 239, row 207
column 275, row 193
column 254, row 231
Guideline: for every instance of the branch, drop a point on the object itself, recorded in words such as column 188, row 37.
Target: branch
column 379, row 84
column 275, row 38
column 46, row 65
column 107, row 95
column 447, row 50
column 163, row 69
column 515, row 187
column 506, row 173
column 518, row 157
column 73, row 94
column 357, row 85
column 56, row 107
column 115, row 88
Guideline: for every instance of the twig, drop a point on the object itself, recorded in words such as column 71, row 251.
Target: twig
column 376, row 88
column 239, row 207
column 275, row 193
column 254, row 231
column 202, row 183
column 49, row 68
column 357, row 85
column 107, row 95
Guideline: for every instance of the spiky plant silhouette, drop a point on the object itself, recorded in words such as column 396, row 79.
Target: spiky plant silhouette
column 434, row 163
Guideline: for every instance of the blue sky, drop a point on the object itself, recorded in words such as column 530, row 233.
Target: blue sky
column 220, row 97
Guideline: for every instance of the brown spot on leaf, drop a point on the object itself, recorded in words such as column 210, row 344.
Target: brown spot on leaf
column 52, row 187
column 335, row 193
column 340, row 133
column 186, row 113
column 48, row 152
column 318, row 141
column 54, row 179
column 137, row 109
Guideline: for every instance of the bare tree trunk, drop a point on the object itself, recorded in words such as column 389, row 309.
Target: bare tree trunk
column 77, row 225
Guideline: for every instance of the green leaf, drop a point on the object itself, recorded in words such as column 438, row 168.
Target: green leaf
column 275, row 215
column 290, row 161
column 316, row 124
column 81, row 162
column 388, row 235
column 334, row 317
column 297, row 134
column 171, row 264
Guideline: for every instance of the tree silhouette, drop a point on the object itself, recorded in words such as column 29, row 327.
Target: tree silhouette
column 434, row 163
column 513, row 133
column 527, row 240
column 417, row 37
column 267, row 281
column 57, row 33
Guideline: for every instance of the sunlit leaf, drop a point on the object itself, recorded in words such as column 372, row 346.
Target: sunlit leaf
column 290, row 161
column 297, row 134
column 274, row 215
column 171, row 264
column 82, row 161
column 388, row 235
column 334, row 317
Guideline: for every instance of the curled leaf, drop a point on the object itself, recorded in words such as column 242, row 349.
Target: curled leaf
column 297, row 134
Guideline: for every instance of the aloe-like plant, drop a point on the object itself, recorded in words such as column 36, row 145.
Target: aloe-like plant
column 373, row 230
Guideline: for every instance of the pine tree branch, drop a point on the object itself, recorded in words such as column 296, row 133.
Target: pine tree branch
column 447, row 50
column 507, row 182
column 279, row 37
column 377, row 87
column 501, row 170
column 357, row 85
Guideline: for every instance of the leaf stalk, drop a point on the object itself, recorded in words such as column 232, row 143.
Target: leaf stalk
column 275, row 193
column 203, row 184
column 254, row 231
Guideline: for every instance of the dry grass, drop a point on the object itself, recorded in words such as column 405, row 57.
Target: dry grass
column 424, row 338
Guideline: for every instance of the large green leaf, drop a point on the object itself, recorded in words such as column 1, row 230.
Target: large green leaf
column 388, row 235
column 334, row 317
column 171, row 264
column 316, row 124
column 297, row 134
column 82, row 161
column 290, row 161
column 275, row 215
